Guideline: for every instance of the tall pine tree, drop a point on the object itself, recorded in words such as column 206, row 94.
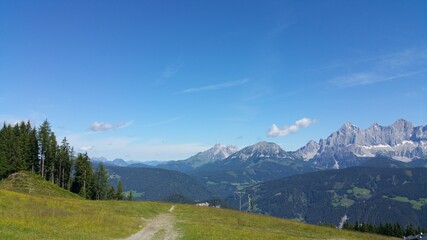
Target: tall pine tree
column 44, row 144
column 82, row 183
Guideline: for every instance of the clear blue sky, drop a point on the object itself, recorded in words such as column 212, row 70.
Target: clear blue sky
column 146, row 80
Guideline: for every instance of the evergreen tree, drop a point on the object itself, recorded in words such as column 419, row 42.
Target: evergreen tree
column 52, row 158
column 111, row 194
column 33, row 160
column 44, row 143
column 64, row 163
column 410, row 230
column 18, row 148
column 103, row 182
column 82, row 183
column 130, row 196
column 119, row 194
column 4, row 155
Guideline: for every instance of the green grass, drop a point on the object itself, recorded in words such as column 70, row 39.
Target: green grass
column 342, row 201
column 360, row 192
column 415, row 204
column 211, row 223
column 67, row 216
column 31, row 217
column 30, row 183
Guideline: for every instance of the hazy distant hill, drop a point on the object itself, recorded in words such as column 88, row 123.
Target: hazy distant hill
column 157, row 184
column 371, row 194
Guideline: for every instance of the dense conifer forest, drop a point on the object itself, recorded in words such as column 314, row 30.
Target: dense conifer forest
column 24, row 147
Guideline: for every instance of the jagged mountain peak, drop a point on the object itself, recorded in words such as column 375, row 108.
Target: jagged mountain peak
column 401, row 122
column 261, row 150
column 347, row 125
column 401, row 141
column 218, row 152
column 308, row 151
column 348, row 128
column 265, row 146
column 215, row 153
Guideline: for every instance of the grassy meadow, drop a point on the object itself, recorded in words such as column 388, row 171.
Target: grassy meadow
column 33, row 215
column 30, row 217
column 211, row 223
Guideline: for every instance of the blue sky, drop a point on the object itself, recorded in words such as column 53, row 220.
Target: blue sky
column 161, row 80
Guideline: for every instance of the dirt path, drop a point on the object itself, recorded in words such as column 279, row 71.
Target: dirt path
column 160, row 227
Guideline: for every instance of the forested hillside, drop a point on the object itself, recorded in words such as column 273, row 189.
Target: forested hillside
column 24, row 147
column 156, row 183
column 364, row 194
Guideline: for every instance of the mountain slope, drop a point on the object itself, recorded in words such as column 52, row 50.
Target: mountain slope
column 156, row 184
column 260, row 162
column 375, row 195
column 350, row 144
column 216, row 153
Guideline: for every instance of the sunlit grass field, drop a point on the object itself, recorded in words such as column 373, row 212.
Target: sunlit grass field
column 63, row 216
column 211, row 223
column 30, row 217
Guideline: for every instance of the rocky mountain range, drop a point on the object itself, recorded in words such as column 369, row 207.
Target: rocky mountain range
column 350, row 145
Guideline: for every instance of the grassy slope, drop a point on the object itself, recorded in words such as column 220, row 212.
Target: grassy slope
column 211, row 223
column 30, row 183
column 30, row 217
column 59, row 216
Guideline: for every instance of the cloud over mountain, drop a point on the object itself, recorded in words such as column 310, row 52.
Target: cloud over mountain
column 276, row 131
column 98, row 126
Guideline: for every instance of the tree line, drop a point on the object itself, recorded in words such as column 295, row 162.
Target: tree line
column 388, row 229
column 23, row 147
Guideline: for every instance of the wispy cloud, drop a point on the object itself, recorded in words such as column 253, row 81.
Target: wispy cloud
column 98, row 126
column 366, row 78
column 401, row 65
column 86, row 148
column 214, row 86
column 256, row 96
column 276, row 131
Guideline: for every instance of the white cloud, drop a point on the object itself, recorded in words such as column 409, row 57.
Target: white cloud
column 86, row 148
column 214, row 86
column 98, row 126
column 276, row 131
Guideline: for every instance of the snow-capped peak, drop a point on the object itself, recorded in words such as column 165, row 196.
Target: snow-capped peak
column 401, row 141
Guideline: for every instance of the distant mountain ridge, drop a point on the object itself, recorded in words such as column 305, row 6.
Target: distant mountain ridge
column 262, row 161
column 400, row 141
column 346, row 147
column 120, row 162
column 217, row 153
